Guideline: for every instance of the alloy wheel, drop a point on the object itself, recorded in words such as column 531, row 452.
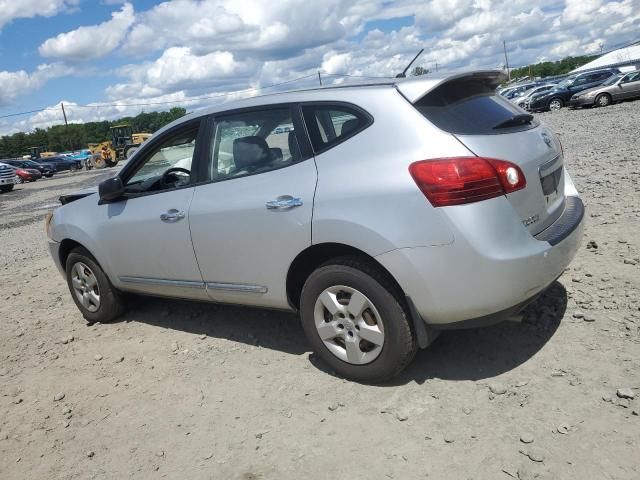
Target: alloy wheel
column 85, row 286
column 555, row 105
column 349, row 324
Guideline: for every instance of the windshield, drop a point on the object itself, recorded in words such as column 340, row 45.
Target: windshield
column 612, row 79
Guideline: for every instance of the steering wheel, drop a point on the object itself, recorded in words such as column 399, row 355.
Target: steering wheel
column 166, row 176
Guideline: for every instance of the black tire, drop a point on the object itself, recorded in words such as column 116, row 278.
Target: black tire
column 400, row 344
column 19, row 180
column 6, row 188
column 112, row 303
column 603, row 100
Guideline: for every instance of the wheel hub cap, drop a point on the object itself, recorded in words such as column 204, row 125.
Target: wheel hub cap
column 349, row 325
column 85, row 286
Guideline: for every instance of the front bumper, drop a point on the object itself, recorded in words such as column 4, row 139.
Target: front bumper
column 54, row 251
column 486, row 271
column 581, row 101
column 8, row 181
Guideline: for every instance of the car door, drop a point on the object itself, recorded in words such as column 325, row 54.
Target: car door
column 253, row 215
column 630, row 85
column 145, row 235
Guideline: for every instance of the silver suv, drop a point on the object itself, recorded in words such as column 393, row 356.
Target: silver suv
column 383, row 213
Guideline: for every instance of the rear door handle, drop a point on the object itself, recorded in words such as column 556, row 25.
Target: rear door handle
column 172, row 215
column 284, row 202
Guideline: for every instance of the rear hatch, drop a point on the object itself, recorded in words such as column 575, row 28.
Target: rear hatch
column 492, row 127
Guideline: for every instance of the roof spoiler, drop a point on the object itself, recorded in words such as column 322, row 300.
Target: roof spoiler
column 414, row 89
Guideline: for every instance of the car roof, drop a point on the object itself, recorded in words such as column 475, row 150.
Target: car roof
column 412, row 88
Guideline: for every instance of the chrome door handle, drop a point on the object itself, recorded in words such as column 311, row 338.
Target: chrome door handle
column 284, row 202
column 172, row 215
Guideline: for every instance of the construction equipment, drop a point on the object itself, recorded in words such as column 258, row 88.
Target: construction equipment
column 121, row 146
column 39, row 152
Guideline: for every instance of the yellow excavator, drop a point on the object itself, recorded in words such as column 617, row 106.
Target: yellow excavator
column 122, row 145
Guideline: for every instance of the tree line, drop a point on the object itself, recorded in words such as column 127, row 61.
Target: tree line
column 552, row 69
column 76, row 136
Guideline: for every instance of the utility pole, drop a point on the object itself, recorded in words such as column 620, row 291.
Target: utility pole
column 319, row 78
column 64, row 114
column 436, row 66
column 506, row 59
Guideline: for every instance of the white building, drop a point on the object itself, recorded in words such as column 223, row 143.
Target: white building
column 627, row 58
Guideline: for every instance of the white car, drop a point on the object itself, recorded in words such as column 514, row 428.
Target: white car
column 7, row 177
column 389, row 212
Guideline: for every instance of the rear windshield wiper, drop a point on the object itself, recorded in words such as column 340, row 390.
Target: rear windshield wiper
column 514, row 121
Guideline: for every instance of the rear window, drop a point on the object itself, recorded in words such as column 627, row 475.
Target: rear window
column 470, row 107
column 330, row 124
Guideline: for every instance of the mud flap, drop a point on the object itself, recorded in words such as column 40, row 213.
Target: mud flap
column 424, row 333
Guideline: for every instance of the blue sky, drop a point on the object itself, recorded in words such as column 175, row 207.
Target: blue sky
column 106, row 52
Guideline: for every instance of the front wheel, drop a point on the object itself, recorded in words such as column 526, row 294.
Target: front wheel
column 603, row 100
column 556, row 104
column 6, row 188
column 91, row 290
column 356, row 320
column 19, row 180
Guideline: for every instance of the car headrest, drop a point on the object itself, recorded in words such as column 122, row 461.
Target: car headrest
column 250, row 152
column 349, row 126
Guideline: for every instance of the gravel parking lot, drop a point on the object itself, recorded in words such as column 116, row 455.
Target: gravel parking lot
column 191, row 390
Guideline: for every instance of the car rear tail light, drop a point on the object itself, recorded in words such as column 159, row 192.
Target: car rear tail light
column 460, row 180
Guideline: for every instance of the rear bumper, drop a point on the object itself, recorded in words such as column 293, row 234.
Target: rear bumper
column 490, row 269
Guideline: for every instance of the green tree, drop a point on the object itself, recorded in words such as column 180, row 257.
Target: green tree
column 75, row 136
column 417, row 71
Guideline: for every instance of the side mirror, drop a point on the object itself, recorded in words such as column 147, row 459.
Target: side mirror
column 111, row 189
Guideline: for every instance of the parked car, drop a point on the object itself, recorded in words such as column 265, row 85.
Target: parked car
column 61, row 163
column 391, row 212
column 27, row 175
column 616, row 88
column 558, row 97
column 7, row 177
column 519, row 90
column 523, row 100
column 45, row 170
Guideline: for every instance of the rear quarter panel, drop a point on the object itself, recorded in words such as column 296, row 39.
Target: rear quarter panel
column 365, row 196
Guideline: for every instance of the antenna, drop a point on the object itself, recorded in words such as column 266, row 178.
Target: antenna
column 404, row 72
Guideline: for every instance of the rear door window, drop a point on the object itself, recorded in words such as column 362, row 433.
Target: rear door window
column 330, row 124
column 471, row 107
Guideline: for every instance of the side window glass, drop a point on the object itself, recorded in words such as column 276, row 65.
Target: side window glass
column 330, row 124
column 166, row 166
column 253, row 142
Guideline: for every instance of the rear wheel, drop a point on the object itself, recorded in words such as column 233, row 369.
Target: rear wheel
column 603, row 100
column 356, row 320
column 556, row 104
column 91, row 290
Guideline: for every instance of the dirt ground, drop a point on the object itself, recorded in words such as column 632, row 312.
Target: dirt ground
column 184, row 390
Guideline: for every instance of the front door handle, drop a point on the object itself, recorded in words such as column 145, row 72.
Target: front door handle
column 284, row 202
column 172, row 215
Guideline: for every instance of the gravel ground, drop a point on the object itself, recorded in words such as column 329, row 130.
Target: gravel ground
column 190, row 390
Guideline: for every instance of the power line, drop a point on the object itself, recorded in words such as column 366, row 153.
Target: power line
column 184, row 100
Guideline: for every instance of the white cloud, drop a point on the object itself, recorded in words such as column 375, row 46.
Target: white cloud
column 18, row 83
column 181, row 49
column 13, row 9
column 90, row 42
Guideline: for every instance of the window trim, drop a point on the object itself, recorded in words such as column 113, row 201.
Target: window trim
column 369, row 120
column 211, row 123
column 129, row 170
